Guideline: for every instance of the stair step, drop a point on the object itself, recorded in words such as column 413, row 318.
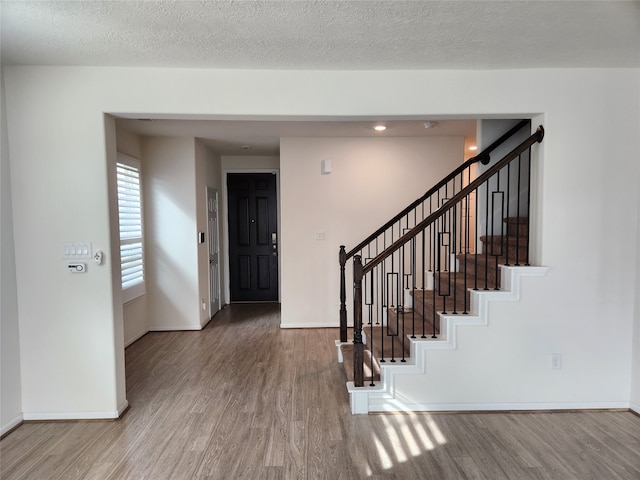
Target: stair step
column 497, row 241
column 389, row 347
column 513, row 249
column 442, row 304
column 369, row 373
column 485, row 262
column 390, row 352
column 446, row 282
column 517, row 226
column 413, row 317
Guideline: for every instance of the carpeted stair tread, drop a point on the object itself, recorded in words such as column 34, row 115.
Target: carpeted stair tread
column 413, row 317
column 423, row 300
column 347, row 355
column 517, row 226
column 388, row 347
column 513, row 249
column 410, row 318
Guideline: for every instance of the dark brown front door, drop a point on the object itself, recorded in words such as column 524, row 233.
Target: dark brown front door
column 253, row 242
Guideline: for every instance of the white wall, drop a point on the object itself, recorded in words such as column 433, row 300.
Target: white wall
column 69, row 344
column 250, row 162
column 171, row 227
column 635, row 370
column 506, row 365
column 588, row 229
column 372, row 179
column 10, row 387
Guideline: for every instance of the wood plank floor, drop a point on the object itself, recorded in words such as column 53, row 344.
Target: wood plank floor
column 244, row 399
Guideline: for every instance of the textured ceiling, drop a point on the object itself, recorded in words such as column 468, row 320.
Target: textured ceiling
column 319, row 34
column 322, row 34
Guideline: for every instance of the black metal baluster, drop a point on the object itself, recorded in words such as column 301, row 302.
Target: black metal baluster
column 367, row 288
column 486, row 232
column 384, row 309
column 508, row 214
column 403, row 312
column 452, row 268
column 518, row 208
column 431, row 258
column 528, row 216
column 464, row 256
column 497, row 193
column 434, row 245
column 413, row 288
column 475, row 257
column 371, row 336
column 424, row 291
column 390, row 284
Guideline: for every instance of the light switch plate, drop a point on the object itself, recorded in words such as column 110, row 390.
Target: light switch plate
column 76, row 250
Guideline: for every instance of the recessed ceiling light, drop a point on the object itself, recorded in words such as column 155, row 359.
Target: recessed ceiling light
column 379, row 128
column 473, row 147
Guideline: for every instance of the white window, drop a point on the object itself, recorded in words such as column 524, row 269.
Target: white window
column 130, row 220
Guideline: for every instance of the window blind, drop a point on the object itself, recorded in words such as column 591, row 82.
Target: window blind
column 131, row 231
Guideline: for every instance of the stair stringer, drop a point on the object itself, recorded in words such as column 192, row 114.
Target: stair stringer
column 382, row 397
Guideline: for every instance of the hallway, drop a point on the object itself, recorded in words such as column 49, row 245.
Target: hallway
column 244, row 399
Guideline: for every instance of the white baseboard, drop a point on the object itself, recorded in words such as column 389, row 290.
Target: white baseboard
column 122, row 407
column 635, row 406
column 104, row 415
column 135, row 338
column 397, row 406
column 13, row 423
column 41, row 416
column 205, row 322
column 309, row 325
column 176, row 328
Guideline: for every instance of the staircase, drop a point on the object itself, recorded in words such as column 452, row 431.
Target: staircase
column 434, row 266
column 474, row 272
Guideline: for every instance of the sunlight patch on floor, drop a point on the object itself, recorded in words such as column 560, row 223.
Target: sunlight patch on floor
column 385, row 459
column 394, row 438
column 407, row 435
column 435, row 430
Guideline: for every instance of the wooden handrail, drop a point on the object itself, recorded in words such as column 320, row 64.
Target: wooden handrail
column 535, row 138
column 484, row 157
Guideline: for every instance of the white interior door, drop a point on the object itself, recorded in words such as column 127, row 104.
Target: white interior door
column 214, row 251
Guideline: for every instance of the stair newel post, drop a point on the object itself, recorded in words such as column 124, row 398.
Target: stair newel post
column 343, row 295
column 358, row 346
